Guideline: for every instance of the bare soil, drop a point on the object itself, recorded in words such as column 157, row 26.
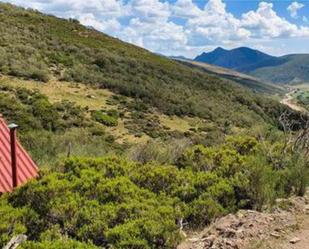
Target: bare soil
column 286, row 226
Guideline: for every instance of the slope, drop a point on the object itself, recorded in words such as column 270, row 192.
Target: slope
column 42, row 47
column 295, row 69
column 241, row 78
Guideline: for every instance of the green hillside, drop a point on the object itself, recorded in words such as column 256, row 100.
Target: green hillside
column 295, row 69
column 34, row 46
column 134, row 149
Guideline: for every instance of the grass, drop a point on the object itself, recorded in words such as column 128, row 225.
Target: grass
column 82, row 95
column 122, row 134
column 301, row 94
column 97, row 99
column 175, row 123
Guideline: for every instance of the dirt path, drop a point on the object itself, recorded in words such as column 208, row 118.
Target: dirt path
column 289, row 101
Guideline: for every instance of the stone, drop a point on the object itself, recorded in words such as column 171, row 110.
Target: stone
column 275, row 234
column 294, row 240
column 228, row 232
column 210, row 238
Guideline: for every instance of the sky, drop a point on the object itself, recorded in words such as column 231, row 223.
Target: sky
column 190, row 27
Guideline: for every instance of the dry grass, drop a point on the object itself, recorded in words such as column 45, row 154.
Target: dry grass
column 176, row 123
column 122, row 134
column 80, row 94
column 95, row 99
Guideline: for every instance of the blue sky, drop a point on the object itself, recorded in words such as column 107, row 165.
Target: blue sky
column 189, row 27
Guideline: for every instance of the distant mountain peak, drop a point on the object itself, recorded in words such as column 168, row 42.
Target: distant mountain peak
column 220, row 49
column 240, row 59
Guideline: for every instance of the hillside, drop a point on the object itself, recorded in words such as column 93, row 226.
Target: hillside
column 241, row 78
column 39, row 47
column 287, row 69
column 294, row 70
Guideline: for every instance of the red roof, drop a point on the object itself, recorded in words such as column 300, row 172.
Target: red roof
column 26, row 168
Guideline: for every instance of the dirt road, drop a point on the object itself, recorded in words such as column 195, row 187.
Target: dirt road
column 289, row 101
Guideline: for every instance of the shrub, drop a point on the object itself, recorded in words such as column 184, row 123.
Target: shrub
column 104, row 118
column 12, row 222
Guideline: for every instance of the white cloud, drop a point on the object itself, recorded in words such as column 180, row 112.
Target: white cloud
column 111, row 26
column 186, row 9
column 265, row 23
column 178, row 26
column 215, row 25
column 294, row 8
column 162, row 37
column 149, row 10
column 151, row 28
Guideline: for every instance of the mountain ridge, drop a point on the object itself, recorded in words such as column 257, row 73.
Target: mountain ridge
column 234, row 58
column 283, row 69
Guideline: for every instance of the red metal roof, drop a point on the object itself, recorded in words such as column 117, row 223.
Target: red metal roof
column 26, row 168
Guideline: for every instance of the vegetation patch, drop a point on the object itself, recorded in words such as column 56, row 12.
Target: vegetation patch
column 112, row 202
column 104, row 118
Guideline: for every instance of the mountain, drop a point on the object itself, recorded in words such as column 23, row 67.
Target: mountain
column 235, row 76
column 290, row 69
column 240, row 59
column 284, row 69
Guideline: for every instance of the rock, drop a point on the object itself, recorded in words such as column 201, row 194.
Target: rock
column 275, row 234
column 228, row 232
column 231, row 244
column 240, row 234
column 194, row 240
column 294, row 240
column 210, row 238
column 16, row 241
column 209, row 241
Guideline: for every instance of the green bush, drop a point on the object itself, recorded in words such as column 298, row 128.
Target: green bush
column 63, row 243
column 105, row 119
column 12, row 221
column 112, row 202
